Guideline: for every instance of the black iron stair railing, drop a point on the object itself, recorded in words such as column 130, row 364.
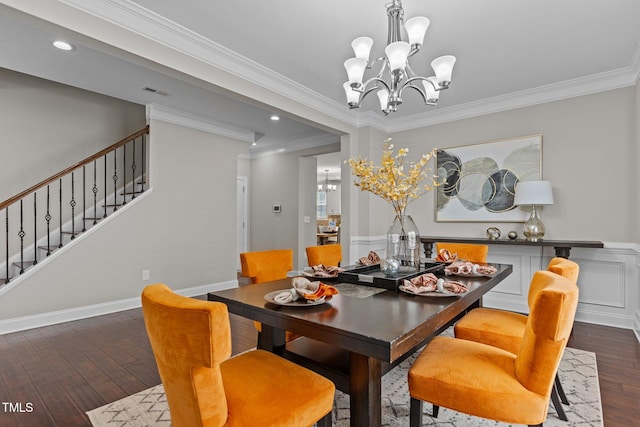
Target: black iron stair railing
column 29, row 233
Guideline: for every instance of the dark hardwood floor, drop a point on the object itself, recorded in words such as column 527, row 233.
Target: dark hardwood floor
column 51, row 376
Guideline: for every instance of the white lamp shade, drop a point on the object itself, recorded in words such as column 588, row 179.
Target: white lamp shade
column 355, row 69
column 397, row 54
column 353, row 97
column 429, row 89
column 362, row 47
column 443, row 67
column 383, row 97
column 416, row 28
column 533, row 193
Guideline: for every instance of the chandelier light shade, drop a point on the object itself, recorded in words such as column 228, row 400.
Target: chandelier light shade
column 355, row 70
column 396, row 64
column 326, row 187
column 362, row 47
column 416, row 29
column 443, row 66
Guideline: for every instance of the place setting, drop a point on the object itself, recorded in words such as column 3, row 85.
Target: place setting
column 303, row 293
column 459, row 267
column 430, row 285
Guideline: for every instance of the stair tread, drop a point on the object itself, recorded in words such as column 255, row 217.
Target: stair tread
column 49, row 247
column 26, row 263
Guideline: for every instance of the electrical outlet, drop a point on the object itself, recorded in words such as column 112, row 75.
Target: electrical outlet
column 146, row 274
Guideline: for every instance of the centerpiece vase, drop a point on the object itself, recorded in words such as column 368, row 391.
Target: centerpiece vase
column 403, row 243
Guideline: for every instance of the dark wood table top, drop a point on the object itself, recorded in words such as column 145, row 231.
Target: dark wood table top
column 384, row 326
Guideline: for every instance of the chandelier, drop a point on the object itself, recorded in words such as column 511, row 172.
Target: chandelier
column 396, row 61
column 326, row 187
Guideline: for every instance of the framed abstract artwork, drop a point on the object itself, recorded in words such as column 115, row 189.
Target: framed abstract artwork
column 481, row 179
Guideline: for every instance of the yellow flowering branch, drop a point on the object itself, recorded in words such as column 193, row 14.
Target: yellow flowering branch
column 390, row 181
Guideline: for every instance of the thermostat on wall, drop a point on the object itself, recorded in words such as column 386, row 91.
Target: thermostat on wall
column 277, row 208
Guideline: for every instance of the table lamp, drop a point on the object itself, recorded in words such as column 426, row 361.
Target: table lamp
column 533, row 193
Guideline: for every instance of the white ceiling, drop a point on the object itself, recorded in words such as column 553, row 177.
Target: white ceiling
column 509, row 53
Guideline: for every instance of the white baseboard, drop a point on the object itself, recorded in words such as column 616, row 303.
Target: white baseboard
column 55, row 317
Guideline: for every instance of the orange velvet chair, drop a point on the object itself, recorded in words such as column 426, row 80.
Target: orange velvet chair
column 191, row 342
column 505, row 329
column 329, row 255
column 266, row 266
column 466, row 251
column 489, row 382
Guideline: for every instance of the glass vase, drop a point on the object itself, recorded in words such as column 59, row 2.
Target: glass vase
column 403, row 243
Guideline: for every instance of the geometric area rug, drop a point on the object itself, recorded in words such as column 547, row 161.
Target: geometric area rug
column 578, row 374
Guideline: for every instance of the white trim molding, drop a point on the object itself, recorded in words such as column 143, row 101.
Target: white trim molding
column 36, row 321
column 194, row 121
column 146, row 23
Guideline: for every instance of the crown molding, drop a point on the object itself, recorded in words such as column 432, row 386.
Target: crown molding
column 139, row 20
column 146, row 23
column 300, row 144
column 194, row 121
column 554, row 92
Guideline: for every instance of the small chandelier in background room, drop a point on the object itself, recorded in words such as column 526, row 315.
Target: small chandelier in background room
column 396, row 60
column 326, row 187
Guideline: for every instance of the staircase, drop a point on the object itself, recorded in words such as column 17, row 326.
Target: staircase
column 46, row 217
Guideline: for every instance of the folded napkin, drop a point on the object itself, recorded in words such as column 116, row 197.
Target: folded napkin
column 304, row 288
column 468, row 268
column 370, row 259
column 327, row 271
column 445, row 256
column 430, row 283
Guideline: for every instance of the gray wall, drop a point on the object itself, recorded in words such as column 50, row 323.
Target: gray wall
column 49, row 126
column 183, row 232
column 589, row 154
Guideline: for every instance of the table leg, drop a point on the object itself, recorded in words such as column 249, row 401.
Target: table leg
column 365, row 391
column 272, row 339
column 562, row 252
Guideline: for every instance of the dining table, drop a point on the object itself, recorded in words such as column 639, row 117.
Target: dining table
column 356, row 336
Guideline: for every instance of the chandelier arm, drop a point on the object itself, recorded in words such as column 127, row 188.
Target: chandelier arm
column 413, row 76
column 421, row 92
column 374, row 87
column 414, row 49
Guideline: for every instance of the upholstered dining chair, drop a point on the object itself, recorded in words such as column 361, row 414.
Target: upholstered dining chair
column 191, row 342
column 505, row 329
column 265, row 266
column 489, row 382
column 466, row 251
column 329, row 255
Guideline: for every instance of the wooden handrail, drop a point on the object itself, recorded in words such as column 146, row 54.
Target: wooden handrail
column 81, row 163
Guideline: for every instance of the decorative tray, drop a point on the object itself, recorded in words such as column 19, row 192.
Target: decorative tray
column 371, row 275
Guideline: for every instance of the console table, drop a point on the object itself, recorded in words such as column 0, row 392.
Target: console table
column 562, row 247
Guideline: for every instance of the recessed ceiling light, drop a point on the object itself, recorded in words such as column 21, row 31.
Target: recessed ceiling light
column 275, row 118
column 254, row 144
column 62, row 45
